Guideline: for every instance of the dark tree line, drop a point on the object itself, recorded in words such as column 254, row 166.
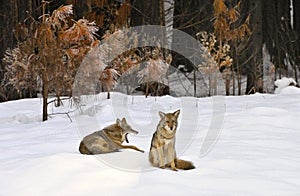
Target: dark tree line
column 270, row 23
column 280, row 37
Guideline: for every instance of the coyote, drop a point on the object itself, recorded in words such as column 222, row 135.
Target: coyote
column 162, row 151
column 108, row 140
column 153, row 88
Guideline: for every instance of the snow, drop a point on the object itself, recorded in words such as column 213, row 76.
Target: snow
column 246, row 145
column 283, row 83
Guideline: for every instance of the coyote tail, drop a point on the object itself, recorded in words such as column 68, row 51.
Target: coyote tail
column 182, row 164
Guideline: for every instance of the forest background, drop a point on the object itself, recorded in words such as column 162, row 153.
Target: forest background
column 271, row 26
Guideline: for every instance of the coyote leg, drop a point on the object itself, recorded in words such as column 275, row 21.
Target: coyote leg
column 132, row 147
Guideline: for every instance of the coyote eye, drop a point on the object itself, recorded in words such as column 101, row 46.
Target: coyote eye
column 168, row 121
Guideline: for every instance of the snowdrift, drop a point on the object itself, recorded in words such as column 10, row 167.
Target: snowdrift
column 247, row 145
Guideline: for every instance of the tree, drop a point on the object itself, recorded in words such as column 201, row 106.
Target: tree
column 191, row 17
column 228, row 33
column 108, row 15
column 12, row 12
column 144, row 12
column 281, row 38
column 51, row 53
column 296, row 29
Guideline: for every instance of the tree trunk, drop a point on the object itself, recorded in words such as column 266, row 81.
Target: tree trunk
column 209, row 85
column 162, row 20
column 255, row 67
column 45, row 92
column 145, row 12
column 227, row 83
column 147, row 89
column 195, row 83
column 239, row 78
column 169, row 20
column 58, row 101
column 296, row 6
column 233, row 82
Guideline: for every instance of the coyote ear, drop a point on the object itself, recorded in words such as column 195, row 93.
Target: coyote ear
column 118, row 122
column 161, row 114
column 123, row 120
column 176, row 113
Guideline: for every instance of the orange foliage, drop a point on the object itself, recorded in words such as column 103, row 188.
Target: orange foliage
column 60, row 14
column 219, row 6
column 108, row 77
column 82, row 31
column 51, row 51
column 120, row 15
column 225, row 18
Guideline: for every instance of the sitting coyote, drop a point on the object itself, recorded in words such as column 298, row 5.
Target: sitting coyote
column 108, row 140
column 162, row 151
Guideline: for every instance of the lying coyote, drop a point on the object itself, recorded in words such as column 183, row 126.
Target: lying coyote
column 162, row 151
column 108, row 140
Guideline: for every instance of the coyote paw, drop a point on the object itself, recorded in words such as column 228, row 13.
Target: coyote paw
column 174, row 169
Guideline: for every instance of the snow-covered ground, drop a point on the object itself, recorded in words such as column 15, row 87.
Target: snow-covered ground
column 247, row 145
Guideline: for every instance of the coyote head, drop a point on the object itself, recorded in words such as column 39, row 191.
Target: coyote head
column 126, row 128
column 169, row 121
